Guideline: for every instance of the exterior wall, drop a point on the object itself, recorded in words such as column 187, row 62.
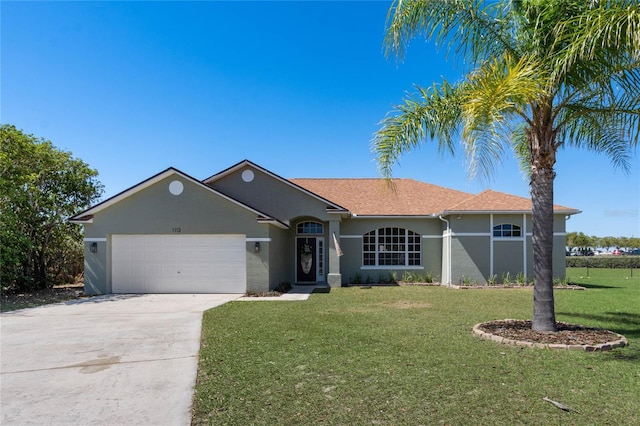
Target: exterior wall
column 258, row 267
column 353, row 229
column 95, row 273
column 271, row 196
column 470, row 262
column 280, row 257
column 154, row 210
column 470, row 224
column 508, row 258
column 470, row 259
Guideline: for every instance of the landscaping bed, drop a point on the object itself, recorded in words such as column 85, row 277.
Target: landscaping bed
column 568, row 336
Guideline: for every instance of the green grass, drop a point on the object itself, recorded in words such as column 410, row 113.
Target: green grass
column 406, row 355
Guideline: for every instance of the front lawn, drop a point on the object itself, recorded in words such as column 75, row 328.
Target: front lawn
column 406, row 355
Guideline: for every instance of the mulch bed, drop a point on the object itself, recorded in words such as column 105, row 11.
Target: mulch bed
column 567, row 334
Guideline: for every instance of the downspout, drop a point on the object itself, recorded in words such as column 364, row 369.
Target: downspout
column 448, row 250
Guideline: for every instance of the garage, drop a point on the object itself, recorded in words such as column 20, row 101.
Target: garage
column 178, row 263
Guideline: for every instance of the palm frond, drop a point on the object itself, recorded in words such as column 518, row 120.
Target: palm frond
column 602, row 130
column 432, row 113
column 607, row 32
column 498, row 92
column 474, row 28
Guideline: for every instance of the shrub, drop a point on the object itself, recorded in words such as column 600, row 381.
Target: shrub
column 603, row 262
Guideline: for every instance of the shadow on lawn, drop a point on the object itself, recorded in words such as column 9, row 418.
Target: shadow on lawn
column 630, row 319
column 587, row 285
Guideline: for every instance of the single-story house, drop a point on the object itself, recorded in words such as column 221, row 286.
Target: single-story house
column 248, row 229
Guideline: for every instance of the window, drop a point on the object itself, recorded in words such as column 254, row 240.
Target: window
column 310, row 228
column 507, row 230
column 392, row 247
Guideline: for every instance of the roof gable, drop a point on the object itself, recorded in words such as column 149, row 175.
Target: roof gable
column 332, row 206
column 86, row 215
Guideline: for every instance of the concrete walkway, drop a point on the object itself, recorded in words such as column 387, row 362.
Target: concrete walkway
column 297, row 293
column 108, row 360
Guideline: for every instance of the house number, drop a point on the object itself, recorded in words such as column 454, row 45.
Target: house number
column 176, row 230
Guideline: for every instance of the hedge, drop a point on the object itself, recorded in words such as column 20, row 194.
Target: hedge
column 603, row 262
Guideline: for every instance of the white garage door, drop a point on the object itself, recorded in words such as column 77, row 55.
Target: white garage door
column 178, row 264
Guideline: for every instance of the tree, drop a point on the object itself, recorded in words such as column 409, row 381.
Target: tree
column 40, row 187
column 544, row 75
column 579, row 239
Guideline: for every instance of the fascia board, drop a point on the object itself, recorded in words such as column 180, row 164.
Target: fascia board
column 428, row 216
column 244, row 163
column 151, row 181
column 453, row 212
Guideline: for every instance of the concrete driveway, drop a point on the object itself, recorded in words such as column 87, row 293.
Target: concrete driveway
column 108, row 360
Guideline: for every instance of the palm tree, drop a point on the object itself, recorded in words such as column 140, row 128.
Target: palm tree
column 545, row 74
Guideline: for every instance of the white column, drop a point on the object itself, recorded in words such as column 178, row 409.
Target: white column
column 334, row 277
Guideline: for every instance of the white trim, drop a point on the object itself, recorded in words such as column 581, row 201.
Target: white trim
column 260, row 240
column 508, row 238
column 406, row 252
column 524, row 246
column 98, row 240
column 80, row 221
column 153, row 180
column 294, row 185
column 391, row 216
column 471, row 234
column 432, row 236
column 456, row 212
column 389, row 267
column 491, row 238
column 351, row 236
column 446, row 237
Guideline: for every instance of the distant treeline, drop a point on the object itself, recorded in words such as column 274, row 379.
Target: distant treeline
column 579, row 239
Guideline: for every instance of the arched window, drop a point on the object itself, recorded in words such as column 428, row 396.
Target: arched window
column 507, row 230
column 310, row 228
column 391, row 246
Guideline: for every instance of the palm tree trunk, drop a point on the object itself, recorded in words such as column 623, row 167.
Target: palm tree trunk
column 544, row 317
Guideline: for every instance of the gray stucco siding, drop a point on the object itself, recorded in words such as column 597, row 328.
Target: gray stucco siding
column 470, row 223
column 273, row 196
column 281, row 256
column 154, row 210
column 95, row 274
column 508, row 257
column 470, row 259
column 360, row 226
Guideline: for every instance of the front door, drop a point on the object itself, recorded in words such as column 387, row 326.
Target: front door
column 309, row 259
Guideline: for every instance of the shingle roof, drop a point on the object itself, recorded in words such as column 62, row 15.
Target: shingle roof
column 408, row 197
column 499, row 201
column 374, row 197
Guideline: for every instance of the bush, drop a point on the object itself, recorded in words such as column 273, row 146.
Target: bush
column 620, row 262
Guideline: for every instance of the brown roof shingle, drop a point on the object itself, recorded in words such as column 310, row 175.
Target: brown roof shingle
column 408, row 197
column 499, row 201
column 374, row 197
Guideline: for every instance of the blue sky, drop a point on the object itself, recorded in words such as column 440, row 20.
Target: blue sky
column 298, row 87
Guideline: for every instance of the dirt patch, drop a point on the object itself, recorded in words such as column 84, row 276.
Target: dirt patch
column 571, row 336
column 13, row 301
column 405, row 304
